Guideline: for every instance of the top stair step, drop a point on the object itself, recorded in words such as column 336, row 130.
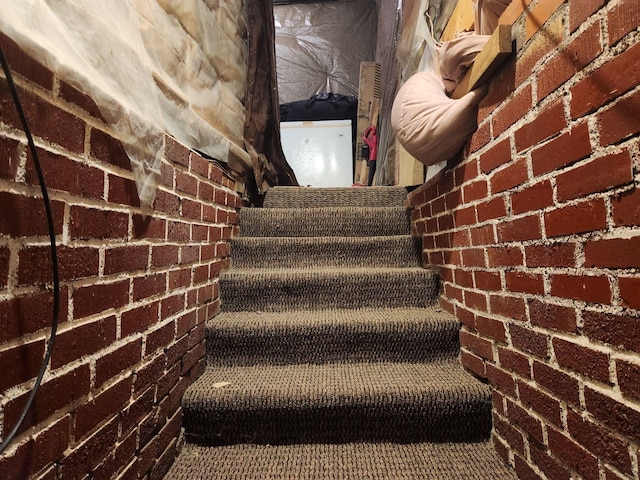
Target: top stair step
column 309, row 197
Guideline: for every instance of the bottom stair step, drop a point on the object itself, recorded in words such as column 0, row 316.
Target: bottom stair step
column 337, row 403
column 352, row 461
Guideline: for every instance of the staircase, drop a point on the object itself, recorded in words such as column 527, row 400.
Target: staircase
column 331, row 358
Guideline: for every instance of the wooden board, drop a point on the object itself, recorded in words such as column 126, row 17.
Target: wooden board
column 497, row 49
column 461, row 20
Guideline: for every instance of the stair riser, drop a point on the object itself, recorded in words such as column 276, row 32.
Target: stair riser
column 368, row 252
column 241, row 292
column 304, row 197
column 288, row 348
column 349, row 222
column 417, row 422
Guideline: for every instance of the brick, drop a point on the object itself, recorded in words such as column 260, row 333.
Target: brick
column 512, row 111
column 481, row 137
column 460, row 238
column 623, row 18
column 124, row 451
column 619, row 417
column 171, row 305
column 505, row 256
column 466, row 317
column 551, row 467
column 92, row 223
column 626, row 208
column 550, row 255
column 613, row 253
column 186, row 323
column 24, row 65
column 487, row 281
column 106, row 405
column 475, row 301
column 100, row 297
column 539, row 15
column 482, row 235
column 581, row 10
column 512, row 436
column 463, row 278
column 187, row 183
column 32, row 456
column 590, row 289
column 493, row 209
column 9, row 158
column 502, row 380
column 533, row 198
column 583, row 217
column 509, row 177
column 593, row 437
column 496, row 156
column 164, row 255
column 560, row 384
column 147, row 374
column 464, row 216
column 616, row 123
column 628, row 375
column 199, row 165
column 122, row 191
column 473, row 363
column 523, row 470
column 73, row 263
column 471, row 193
column 585, row 463
column 567, row 148
column 149, row 286
column 139, row 318
column 108, row 149
column 507, row 306
column 520, row 229
column 550, row 121
column 160, row 338
column 584, row 360
column 601, row 174
column 148, row 227
column 540, row 402
column 79, row 99
column 193, row 358
column 523, row 419
column 83, row 340
column 125, row 259
column 529, row 341
column 5, row 256
column 90, row 452
column 166, row 202
column 554, row 317
column 23, row 216
column 525, row 282
column 20, row 363
column 608, row 82
column 569, row 60
column 477, row 345
column 630, row 291
column 514, row 362
column 117, row 362
column 618, row 330
column 453, row 293
column 66, row 174
column 53, row 395
column 176, row 152
column 46, row 120
column 25, row 314
column 491, row 328
column 178, row 231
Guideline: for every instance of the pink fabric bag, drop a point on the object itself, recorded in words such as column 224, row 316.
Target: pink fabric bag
column 457, row 55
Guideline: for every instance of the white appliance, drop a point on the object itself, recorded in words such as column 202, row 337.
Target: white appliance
column 319, row 152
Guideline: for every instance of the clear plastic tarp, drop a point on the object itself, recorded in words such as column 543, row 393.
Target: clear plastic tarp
column 151, row 66
column 319, row 46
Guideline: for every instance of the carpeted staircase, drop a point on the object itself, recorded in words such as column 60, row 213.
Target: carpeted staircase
column 331, row 358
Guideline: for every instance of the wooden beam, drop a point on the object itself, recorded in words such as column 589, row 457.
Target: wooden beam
column 497, row 49
column 461, row 20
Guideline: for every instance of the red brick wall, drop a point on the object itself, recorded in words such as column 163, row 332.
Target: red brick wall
column 136, row 287
column 536, row 233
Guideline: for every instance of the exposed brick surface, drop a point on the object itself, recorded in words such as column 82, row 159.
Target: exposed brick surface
column 587, row 216
column 623, row 18
column 594, row 289
column 547, row 123
column 555, row 317
column 584, row 360
column 559, row 383
column 617, row 330
column 83, row 340
column 563, row 150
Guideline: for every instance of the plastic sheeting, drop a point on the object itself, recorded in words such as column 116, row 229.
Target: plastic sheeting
column 319, row 47
column 151, row 66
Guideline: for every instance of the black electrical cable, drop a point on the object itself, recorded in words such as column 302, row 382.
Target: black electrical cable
column 54, row 256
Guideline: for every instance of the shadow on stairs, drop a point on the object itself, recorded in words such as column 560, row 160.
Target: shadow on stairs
column 330, row 358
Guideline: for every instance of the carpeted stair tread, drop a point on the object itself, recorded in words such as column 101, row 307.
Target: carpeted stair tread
column 350, row 461
column 384, row 251
column 312, row 288
column 324, row 221
column 324, row 336
column 305, row 197
column 337, row 402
